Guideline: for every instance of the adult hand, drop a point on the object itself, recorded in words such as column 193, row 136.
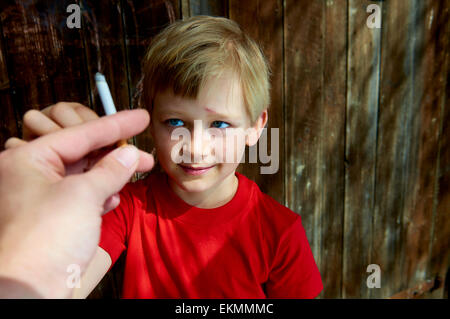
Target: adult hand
column 55, row 117
column 50, row 221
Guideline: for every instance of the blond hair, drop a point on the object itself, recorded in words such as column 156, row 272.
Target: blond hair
column 189, row 52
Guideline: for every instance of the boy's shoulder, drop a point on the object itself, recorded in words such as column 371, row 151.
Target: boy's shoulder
column 269, row 208
column 138, row 190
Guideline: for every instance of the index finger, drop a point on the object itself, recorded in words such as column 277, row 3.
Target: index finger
column 73, row 143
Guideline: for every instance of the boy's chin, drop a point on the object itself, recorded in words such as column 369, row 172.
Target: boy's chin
column 194, row 186
column 199, row 183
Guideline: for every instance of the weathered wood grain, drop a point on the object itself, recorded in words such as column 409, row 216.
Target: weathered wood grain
column 45, row 57
column 314, row 127
column 104, row 44
column 438, row 88
column 363, row 72
column 303, row 66
column 332, row 144
column 423, row 132
column 396, row 146
column 210, row 7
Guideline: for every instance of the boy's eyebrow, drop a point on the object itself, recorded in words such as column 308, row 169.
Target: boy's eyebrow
column 231, row 117
column 212, row 111
column 176, row 112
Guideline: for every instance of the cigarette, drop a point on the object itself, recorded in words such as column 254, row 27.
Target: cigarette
column 107, row 101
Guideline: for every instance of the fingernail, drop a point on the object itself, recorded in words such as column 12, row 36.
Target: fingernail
column 127, row 156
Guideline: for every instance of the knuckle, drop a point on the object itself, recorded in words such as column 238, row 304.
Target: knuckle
column 77, row 105
column 9, row 143
column 58, row 108
column 81, row 107
column 28, row 116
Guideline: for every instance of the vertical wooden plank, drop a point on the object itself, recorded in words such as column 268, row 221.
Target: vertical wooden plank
column 332, row 144
column 103, row 35
column 438, row 88
column 67, row 65
column 397, row 144
column 363, row 71
column 26, row 46
column 208, row 7
column 423, row 134
column 315, row 55
column 262, row 21
column 185, row 9
column 303, row 65
column 45, row 56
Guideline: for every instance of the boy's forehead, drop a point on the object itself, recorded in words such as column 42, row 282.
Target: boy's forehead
column 221, row 96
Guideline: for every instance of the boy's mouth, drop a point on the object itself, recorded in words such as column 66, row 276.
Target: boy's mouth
column 195, row 170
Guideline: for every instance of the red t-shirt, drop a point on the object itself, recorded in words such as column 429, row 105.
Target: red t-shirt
column 251, row 247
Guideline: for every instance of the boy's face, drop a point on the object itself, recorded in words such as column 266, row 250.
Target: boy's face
column 218, row 108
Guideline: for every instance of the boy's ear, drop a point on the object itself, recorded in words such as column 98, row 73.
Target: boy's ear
column 256, row 130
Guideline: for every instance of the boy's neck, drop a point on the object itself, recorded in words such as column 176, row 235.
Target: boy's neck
column 215, row 197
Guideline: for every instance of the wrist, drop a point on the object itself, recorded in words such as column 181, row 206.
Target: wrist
column 19, row 280
column 14, row 289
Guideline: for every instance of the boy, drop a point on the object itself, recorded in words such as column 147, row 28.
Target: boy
column 199, row 229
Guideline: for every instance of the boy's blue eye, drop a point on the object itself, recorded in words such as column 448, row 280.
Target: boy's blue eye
column 175, row 122
column 220, row 124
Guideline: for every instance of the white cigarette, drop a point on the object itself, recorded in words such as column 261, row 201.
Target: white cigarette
column 105, row 94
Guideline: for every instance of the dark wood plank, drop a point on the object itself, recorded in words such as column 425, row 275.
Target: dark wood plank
column 209, row 7
column 424, row 113
column 363, row 72
column 185, row 9
column 303, row 57
column 26, row 46
column 438, row 88
column 45, row 57
column 263, row 21
column 103, row 33
column 70, row 79
column 397, row 154
column 314, row 127
column 332, row 145
column 105, row 51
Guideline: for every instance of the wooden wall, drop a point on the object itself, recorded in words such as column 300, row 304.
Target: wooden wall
column 363, row 115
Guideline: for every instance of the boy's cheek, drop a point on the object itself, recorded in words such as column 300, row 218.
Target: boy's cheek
column 233, row 146
column 165, row 151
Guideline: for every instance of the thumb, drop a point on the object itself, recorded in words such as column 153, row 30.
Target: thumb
column 108, row 176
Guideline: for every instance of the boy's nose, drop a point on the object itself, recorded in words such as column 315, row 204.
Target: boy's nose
column 200, row 148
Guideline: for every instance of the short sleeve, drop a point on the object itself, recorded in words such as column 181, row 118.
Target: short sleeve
column 115, row 225
column 294, row 273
